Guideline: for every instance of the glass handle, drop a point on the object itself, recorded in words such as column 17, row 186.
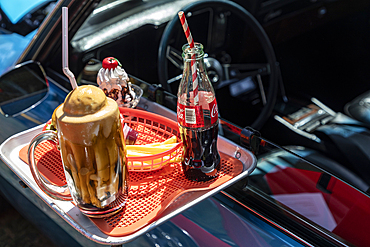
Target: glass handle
column 54, row 191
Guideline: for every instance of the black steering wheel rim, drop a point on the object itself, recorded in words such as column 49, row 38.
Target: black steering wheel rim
column 258, row 31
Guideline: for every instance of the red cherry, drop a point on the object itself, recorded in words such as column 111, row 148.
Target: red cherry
column 110, row 63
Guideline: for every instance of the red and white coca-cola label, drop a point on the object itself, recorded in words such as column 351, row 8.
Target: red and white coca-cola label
column 214, row 111
column 192, row 116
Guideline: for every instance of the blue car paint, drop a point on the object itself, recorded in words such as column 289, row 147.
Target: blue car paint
column 15, row 10
column 11, row 47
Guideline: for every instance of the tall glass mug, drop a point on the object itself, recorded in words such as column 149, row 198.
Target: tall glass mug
column 90, row 138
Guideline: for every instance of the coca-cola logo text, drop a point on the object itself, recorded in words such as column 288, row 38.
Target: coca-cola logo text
column 214, row 111
column 180, row 112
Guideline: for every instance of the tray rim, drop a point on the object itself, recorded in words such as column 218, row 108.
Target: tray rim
column 72, row 215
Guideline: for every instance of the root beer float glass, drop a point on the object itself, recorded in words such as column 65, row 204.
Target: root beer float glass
column 89, row 136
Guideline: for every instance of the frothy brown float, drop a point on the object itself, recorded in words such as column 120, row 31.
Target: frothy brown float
column 86, row 105
column 84, row 100
column 92, row 145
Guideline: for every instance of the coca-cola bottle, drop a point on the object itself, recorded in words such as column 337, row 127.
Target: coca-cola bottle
column 197, row 116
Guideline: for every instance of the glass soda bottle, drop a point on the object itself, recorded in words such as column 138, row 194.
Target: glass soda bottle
column 197, row 116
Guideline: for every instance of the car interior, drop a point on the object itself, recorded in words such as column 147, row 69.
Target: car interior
column 290, row 69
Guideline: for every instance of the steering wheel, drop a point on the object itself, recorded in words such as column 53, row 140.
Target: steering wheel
column 213, row 22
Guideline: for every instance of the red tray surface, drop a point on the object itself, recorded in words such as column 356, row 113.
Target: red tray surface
column 150, row 193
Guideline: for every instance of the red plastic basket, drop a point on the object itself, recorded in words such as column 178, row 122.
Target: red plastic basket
column 151, row 128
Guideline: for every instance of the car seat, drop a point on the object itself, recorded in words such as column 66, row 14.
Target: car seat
column 359, row 108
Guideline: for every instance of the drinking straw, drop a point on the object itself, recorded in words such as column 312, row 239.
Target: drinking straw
column 66, row 70
column 190, row 40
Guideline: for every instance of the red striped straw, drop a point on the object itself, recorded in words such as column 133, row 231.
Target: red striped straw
column 185, row 26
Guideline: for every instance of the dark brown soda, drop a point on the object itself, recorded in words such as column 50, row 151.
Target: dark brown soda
column 201, row 158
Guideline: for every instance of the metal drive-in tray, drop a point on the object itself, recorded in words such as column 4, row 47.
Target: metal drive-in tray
column 9, row 153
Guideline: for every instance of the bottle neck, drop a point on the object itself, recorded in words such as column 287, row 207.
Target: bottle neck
column 194, row 59
column 195, row 53
column 195, row 76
